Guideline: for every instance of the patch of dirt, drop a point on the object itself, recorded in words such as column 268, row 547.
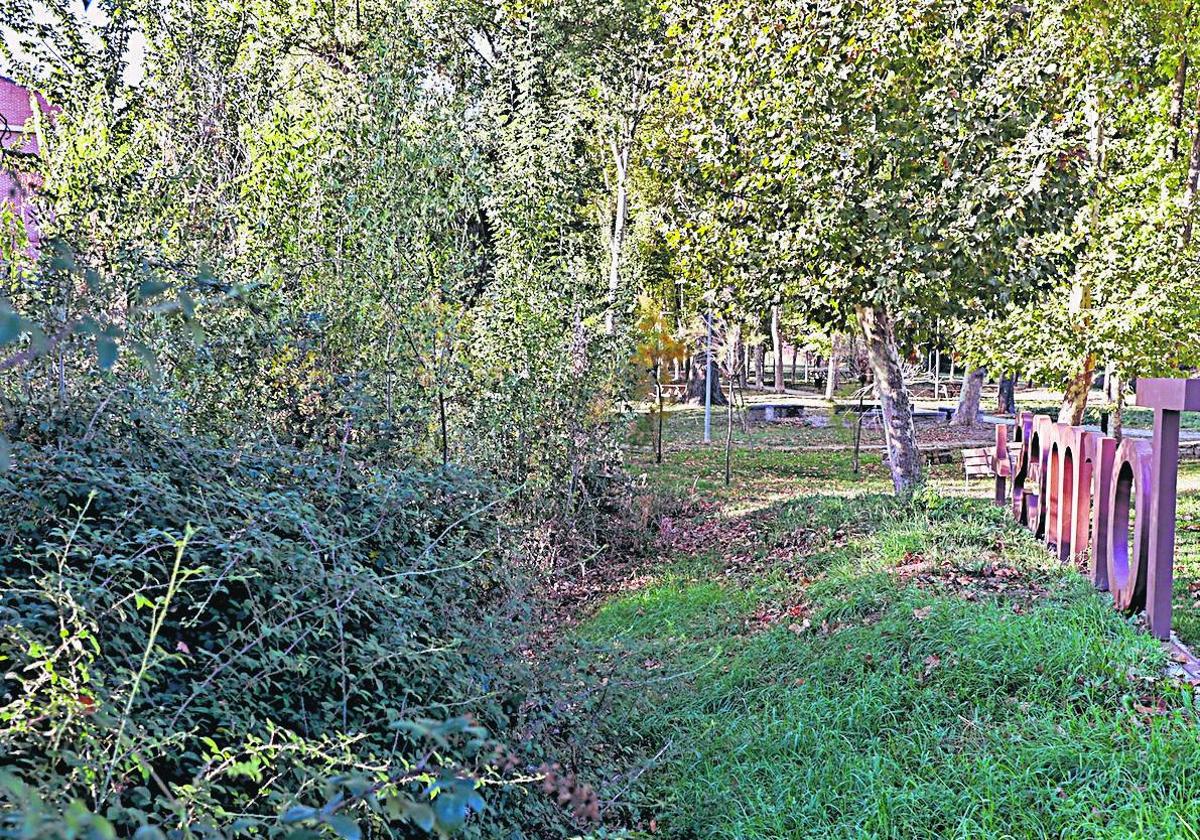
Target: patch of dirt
column 704, row 530
column 978, row 434
column 993, row 579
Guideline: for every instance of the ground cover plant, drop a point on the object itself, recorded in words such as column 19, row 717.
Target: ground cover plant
column 199, row 640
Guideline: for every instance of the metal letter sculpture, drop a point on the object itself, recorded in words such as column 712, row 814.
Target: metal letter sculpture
column 1079, row 489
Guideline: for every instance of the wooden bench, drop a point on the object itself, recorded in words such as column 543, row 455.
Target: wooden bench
column 977, row 463
column 998, row 462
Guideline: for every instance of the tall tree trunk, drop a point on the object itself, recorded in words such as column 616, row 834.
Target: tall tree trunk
column 729, row 427
column 969, row 397
column 759, row 366
column 1178, row 93
column 777, row 345
column 1006, row 395
column 739, row 361
column 904, row 458
column 445, row 432
column 1109, row 393
column 658, row 410
column 831, row 375
column 1075, row 396
column 795, row 355
column 937, row 373
column 1117, row 427
column 1193, row 176
column 699, row 379
column 620, row 152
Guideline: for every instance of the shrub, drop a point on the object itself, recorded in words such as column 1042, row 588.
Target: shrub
column 194, row 633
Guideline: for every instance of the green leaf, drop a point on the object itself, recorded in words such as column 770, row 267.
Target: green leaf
column 422, row 816
column 451, row 810
column 186, row 304
column 10, row 327
column 147, row 357
column 106, row 352
column 149, row 832
column 298, row 813
column 344, row 827
column 149, row 288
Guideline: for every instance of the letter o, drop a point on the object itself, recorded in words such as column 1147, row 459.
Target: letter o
column 1129, row 497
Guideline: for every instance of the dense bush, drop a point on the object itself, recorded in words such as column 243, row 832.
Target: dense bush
column 197, row 632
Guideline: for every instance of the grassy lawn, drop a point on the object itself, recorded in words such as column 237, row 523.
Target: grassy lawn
column 818, row 660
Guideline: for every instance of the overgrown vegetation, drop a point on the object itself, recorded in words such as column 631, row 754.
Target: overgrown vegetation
column 328, row 503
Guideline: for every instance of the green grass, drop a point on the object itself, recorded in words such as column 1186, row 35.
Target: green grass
column 952, row 703
column 1186, row 613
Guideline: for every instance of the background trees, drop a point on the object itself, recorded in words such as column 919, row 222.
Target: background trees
column 878, row 163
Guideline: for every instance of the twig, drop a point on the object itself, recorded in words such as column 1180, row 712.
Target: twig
column 159, row 618
column 637, row 775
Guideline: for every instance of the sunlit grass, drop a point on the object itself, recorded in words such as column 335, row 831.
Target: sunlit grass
column 917, row 712
column 798, row 685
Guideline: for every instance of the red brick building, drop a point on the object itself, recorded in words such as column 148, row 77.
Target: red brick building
column 17, row 134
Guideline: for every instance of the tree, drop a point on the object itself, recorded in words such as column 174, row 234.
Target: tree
column 890, row 161
column 777, row 347
column 968, row 399
column 1121, row 291
column 657, row 345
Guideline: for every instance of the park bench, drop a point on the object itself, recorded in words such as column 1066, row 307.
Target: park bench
column 977, row 463
column 997, row 462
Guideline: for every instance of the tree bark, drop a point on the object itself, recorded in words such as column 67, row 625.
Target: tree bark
column 937, row 373
column 777, row 346
column 1117, row 427
column 1178, row 92
column 729, row 433
column 739, row 361
column 759, row 366
column 1075, row 396
column 969, row 398
column 616, row 246
column 1006, row 396
column 831, row 375
column 695, row 388
column 1193, row 176
column 658, row 410
column 904, row 458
